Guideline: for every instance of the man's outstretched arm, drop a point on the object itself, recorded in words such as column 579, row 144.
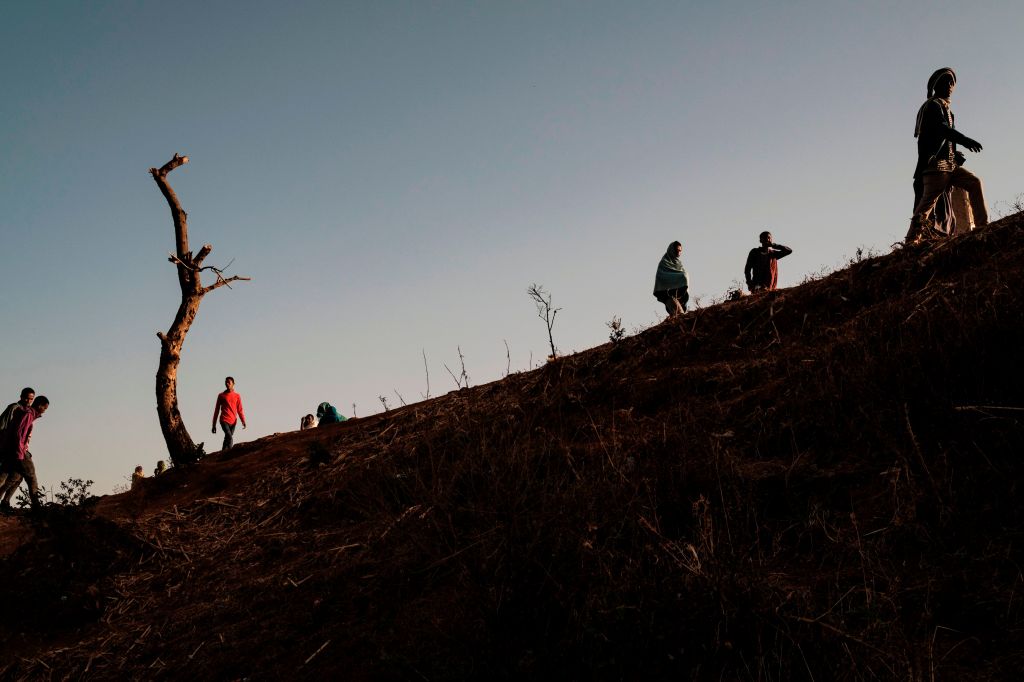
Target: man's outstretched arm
column 934, row 118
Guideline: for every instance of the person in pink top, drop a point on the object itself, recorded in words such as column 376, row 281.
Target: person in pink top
column 14, row 455
column 229, row 407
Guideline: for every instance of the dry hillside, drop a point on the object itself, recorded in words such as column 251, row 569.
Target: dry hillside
column 819, row 483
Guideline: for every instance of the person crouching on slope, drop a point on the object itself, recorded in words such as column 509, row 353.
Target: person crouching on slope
column 328, row 414
column 138, row 476
column 671, row 285
column 229, row 406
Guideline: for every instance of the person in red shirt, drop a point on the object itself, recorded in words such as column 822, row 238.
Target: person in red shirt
column 762, row 269
column 229, row 407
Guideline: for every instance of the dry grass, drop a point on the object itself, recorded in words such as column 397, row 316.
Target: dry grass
column 818, row 483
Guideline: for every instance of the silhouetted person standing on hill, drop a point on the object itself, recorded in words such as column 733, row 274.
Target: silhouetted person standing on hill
column 762, row 268
column 671, row 285
column 939, row 167
column 14, row 447
column 14, row 479
column 229, row 407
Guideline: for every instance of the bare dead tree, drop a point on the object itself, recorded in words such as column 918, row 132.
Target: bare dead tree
column 400, row 398
column 384, row 401
column 545, row 311
column 508, row 358
column 190, row 267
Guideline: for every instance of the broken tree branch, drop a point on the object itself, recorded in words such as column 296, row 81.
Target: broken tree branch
column 222, row 282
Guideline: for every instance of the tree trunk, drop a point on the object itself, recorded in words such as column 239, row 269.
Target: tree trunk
column 180, row 446
column 179, row 443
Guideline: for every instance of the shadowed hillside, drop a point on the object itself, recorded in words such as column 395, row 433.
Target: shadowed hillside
column 819, row 483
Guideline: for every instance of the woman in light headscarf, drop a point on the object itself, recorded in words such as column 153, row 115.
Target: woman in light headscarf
column 670, row 282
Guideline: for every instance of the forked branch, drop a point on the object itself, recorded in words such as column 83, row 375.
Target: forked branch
column 545, row 311
column 179, row 443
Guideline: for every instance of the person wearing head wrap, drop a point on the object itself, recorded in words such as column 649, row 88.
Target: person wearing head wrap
column 939, row 164
column 328, row 414
column 671, row 284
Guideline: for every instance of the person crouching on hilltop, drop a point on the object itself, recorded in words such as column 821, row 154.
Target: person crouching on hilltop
column 328, row 414
column 138, row 477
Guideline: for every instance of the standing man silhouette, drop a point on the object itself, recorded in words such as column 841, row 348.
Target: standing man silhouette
column 229, row 406
column 939, row 165
column 762, row 268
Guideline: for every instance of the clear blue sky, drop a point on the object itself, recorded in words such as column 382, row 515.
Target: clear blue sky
column 393, row 175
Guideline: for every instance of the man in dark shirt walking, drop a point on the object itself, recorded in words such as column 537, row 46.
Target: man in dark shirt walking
column 10, row 487
column 939, row 164
column 229, row 407
column 14, row 447
column 762, row 268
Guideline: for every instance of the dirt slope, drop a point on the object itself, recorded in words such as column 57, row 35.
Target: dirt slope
column 819, row 483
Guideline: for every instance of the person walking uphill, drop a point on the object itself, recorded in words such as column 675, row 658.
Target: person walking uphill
column 939, row 165
column 14, row 447
column 762, row 268
column 10, row 487
column 229, row 406
column 671, row 285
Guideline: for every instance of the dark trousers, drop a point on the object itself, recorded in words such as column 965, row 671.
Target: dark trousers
column 674, row 300
column 14, row 470
column 229, row 435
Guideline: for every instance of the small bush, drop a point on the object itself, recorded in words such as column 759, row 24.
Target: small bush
column 618, row 332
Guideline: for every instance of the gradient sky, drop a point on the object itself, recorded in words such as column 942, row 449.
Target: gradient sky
column 393, row 175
